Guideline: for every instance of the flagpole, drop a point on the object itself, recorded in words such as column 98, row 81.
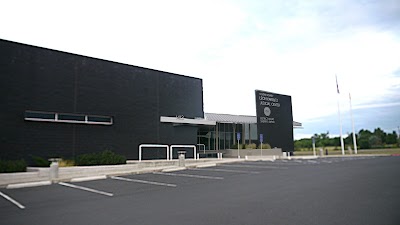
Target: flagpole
column 352, row 124
column 340, row 120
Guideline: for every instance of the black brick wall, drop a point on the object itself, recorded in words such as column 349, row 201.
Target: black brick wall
column 34, row 78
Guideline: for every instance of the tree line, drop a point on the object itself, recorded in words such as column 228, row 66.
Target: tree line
column 365, row 140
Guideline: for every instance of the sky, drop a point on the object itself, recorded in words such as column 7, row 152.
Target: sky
column 292, row 47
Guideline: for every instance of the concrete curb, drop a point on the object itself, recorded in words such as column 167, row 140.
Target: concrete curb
column 28, row 184
column 206, row 165
column 173, row 169
column 80, row 179
column 353, row 155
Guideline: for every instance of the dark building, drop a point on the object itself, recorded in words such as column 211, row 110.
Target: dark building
column 57, row 104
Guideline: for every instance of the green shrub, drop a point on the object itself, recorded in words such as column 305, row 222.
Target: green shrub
column 10, row 166
column 235, row 146
column 66, row 163
column 40, row 162
column 101, row 158
column 251, row 146
column 265, row 146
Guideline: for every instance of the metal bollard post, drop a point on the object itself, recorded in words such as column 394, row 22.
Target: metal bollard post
column 181, row 158
column 53, row 172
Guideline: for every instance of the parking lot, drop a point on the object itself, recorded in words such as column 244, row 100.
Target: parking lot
column 350, row 190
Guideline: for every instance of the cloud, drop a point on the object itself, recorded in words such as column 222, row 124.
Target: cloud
column 293, row 47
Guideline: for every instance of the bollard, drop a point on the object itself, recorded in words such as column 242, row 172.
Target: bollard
column 320, row 152
column 181, row 158
column 53, row 172
column 350, row 150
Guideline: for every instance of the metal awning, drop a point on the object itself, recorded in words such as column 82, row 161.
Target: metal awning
column 239, row 119
column 211, row 119
column 227, row 118
column 179, row 120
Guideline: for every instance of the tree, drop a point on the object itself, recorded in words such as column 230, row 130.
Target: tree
column 363, row 139
column 363, row 144
column 303, row 143
column 391, row 138
column 322, row 139
column 349, row 139
column 375, row 141
column 380, row 134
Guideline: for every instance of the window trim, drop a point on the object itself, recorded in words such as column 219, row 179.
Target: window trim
column 57, row 120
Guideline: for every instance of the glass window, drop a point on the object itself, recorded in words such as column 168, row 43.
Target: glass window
column 101, row 119
column 39, row 115
column 67, row 118
column 71, row 117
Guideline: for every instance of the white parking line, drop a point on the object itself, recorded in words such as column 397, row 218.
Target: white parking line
column 86, row 189
column 188, row 175
column 261, row 167
column 12, row 200
column 223, row 170
column 143, row 181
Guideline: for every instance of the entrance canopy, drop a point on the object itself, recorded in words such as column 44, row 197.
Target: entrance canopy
column 182, row 120
column 218, row 131
column 238, row 119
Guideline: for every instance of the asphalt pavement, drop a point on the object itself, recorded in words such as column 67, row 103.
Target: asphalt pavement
column 351, row 190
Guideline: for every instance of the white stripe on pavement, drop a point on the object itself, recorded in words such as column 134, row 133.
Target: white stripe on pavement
column 223, row 170
column 12, row 200
column 86, row 189
column 188, row 175
column 261, row 167
column 143, row 181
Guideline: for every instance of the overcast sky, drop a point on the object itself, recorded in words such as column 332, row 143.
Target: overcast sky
column 293, row 47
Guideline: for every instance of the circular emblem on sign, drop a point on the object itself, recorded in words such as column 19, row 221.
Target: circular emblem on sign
column 267, row 111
